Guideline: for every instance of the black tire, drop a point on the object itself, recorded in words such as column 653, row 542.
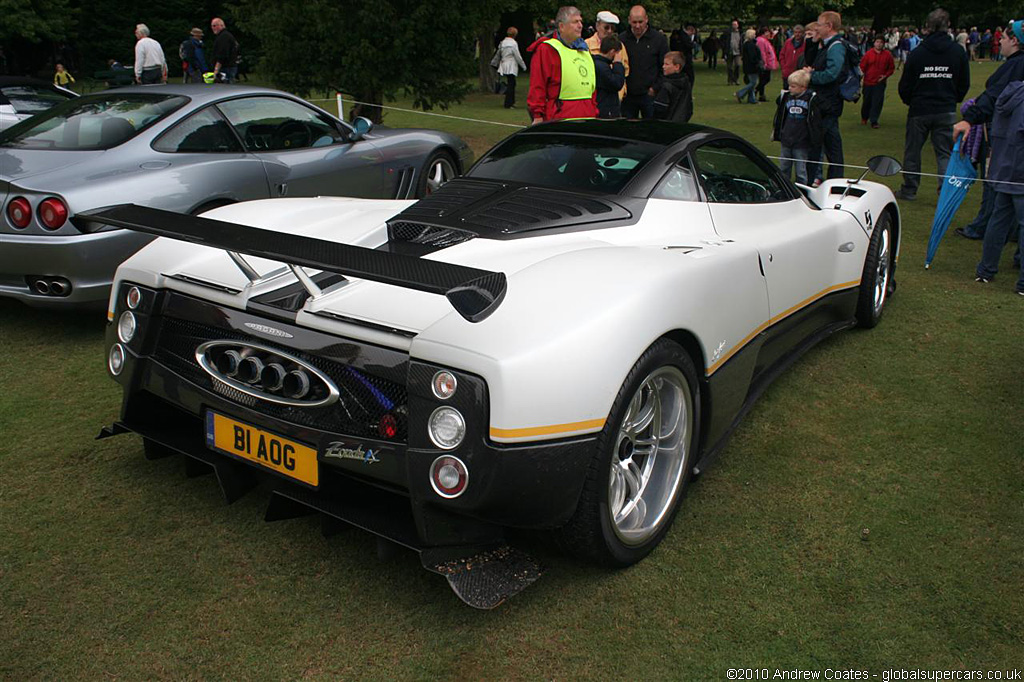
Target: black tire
column 876, row 283
column 593, row 532
column 428, row 182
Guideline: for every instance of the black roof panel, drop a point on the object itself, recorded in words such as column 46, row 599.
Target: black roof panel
column 653, row 132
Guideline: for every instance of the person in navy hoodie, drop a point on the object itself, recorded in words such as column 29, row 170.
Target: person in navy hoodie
column 611, row 75
column 1002, row 104
column 935, row 79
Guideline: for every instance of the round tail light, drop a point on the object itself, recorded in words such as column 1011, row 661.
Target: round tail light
column 446, row 428
column 448, row 476
column 19, row 212
column 53, row 213
column 116, row 359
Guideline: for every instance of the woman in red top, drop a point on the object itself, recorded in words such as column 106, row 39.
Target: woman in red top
column 877, row 65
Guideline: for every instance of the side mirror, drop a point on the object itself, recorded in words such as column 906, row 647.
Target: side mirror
column 884, row 165
column 360, row 127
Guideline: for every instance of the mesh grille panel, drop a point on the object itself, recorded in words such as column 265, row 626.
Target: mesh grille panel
column 364, row 399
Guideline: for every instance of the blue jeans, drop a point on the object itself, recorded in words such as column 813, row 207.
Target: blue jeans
column 793, row 156
column 1007, row 215
column 976, row 228
column 748, row 89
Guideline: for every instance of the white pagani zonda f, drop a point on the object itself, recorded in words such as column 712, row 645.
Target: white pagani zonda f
column 559, row 340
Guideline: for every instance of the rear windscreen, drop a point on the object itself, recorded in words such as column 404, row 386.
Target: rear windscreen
column 92, row 122
column 573, row 162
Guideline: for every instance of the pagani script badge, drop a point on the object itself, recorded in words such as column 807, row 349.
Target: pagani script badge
column 269, row 331
column 338, row 450
column 718, row 351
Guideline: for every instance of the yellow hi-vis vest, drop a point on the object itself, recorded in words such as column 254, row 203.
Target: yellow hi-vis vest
column 579, row 79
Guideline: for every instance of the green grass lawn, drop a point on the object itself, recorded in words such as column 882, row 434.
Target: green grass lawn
column 868, row 514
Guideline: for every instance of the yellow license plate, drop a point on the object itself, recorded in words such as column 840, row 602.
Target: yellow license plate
column 284, row 456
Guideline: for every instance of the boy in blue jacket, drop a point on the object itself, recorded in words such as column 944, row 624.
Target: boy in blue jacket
column 611, row 75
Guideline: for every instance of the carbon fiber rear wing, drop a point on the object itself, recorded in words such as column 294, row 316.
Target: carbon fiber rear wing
column 474, row 293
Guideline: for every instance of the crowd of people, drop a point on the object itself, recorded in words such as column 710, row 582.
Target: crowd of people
column 638, row 72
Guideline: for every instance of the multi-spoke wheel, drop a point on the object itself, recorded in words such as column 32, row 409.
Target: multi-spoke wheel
column 876, row 281
column 438, row 170
column 642, row 463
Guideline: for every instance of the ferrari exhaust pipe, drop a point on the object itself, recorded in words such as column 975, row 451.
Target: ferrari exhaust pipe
column 41, row 286
column 59, row 287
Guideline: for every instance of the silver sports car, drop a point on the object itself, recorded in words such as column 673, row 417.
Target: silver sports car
column 184, row 148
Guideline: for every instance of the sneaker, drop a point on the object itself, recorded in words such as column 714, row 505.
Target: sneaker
column 863, row 121
column 874, row 125
column 982, row 280
column 738, row 98
column 816, row 183
column 1020, row 293
column 967, row 235
column 900, row 194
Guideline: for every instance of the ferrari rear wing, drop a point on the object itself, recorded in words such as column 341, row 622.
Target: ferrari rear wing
column 474, row 293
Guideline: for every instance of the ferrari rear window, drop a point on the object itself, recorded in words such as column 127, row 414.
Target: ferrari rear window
column 575, row 162
column 92, row 122
column 31, row 99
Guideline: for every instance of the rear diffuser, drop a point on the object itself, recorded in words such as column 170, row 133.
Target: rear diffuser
column 482, row 577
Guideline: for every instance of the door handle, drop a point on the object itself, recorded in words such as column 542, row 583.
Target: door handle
column 282, row 189
column 848, row 247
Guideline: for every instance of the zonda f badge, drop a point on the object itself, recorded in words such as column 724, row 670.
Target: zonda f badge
column 266, row 373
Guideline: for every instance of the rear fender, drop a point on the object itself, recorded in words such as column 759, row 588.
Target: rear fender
column 555, row 353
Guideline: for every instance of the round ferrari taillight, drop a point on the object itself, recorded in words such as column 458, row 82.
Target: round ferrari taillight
column 53, row 213
column 19, row 212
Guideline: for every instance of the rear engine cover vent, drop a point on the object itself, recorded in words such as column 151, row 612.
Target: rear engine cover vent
column 427, row 235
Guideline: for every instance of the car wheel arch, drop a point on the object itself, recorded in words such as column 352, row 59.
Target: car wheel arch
column 689, row 342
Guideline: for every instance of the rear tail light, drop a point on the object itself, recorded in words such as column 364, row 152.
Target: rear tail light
column 53, row 213
column 448, row 476
column 19, row 212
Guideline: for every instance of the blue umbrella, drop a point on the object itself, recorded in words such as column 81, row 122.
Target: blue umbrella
column 960, row 175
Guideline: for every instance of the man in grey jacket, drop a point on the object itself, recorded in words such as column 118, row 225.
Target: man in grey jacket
column 733, row 44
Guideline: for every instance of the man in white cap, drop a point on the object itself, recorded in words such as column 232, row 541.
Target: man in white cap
column 607, row 24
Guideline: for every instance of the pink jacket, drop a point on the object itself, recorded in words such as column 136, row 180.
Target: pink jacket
column 767, row 53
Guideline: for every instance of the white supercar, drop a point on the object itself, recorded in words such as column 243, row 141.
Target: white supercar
column 559, row 340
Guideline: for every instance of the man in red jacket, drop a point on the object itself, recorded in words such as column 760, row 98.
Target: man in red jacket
column 877, row 65
column 792, row 50
column 563, row 82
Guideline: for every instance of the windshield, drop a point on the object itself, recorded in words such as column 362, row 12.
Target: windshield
column 32, row 99
column 566, row 161
column 92, row 122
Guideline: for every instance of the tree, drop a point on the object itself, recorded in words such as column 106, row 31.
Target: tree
column 371, row 51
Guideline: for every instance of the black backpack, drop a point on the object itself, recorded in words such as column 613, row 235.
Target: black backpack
column 850, row 77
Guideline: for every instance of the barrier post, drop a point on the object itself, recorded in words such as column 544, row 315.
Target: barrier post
column 341, row 107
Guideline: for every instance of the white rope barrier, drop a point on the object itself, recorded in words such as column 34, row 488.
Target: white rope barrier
column 823, row 162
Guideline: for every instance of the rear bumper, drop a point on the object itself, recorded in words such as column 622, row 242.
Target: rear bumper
column 87, row 261
column 532, row 486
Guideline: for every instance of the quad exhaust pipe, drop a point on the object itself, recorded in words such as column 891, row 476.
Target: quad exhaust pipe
column 49, row 286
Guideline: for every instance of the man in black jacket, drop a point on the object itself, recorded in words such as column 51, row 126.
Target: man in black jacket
column 225, row 52
column 646, row 48
column 935, row 79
